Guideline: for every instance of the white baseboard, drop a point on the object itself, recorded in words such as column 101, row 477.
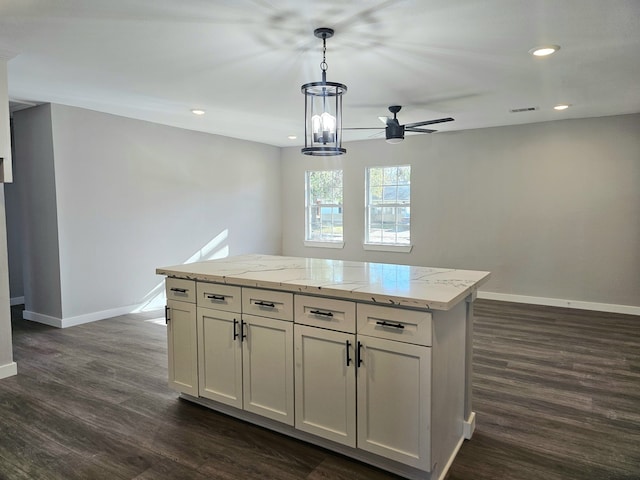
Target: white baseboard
column 560, row 302
column 16, row 301
column 8, row 370
column 77, row 320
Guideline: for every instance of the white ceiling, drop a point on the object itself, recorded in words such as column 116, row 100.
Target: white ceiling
column 243, row 61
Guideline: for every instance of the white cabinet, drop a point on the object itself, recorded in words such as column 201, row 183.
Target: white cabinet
column 325, row 383
column 267, row 367
column 182, row 338
column 394, row 406
column 394, row 383
column 182, row 344
column 245, row 361
column 220, row 356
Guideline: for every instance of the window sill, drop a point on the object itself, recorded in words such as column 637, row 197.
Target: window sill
column 309, row 243
column 388, row 248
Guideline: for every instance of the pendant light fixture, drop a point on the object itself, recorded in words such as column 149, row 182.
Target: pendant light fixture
column 323, row 109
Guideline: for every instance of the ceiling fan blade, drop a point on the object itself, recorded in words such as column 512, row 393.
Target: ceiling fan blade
column 384, row 120
column 420, row 130
column 429, row 122
column 376, row 134
column 363, row 128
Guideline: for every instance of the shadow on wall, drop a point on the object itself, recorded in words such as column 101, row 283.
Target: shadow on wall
column 216, row 248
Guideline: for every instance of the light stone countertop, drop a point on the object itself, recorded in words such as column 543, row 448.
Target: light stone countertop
column 388, row 284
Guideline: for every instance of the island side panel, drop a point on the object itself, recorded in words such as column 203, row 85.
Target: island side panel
column 469, row 414
column 448, row 374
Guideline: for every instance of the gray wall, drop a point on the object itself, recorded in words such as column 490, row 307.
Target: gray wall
column 551, row 209
column 131, row 196
column 34, row 180
column 14, row 239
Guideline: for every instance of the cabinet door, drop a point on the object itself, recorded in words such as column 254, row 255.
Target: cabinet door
column 394, row 404
column 325, row 383
column 267, row 364
column 220, row 356
column 182, row 343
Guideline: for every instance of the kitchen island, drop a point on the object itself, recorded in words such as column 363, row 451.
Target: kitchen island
column 370, row 360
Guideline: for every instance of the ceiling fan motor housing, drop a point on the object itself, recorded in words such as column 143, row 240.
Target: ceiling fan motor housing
column 394, row 132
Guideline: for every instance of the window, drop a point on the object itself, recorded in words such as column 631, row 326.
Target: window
column 324, row 208
column 388, row 212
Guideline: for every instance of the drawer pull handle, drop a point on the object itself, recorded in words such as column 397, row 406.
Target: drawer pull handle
column 179, row 290
column 220, row 298
column 324, row 314
column 166, row 315
column 387, row 324
column 348, row 357
column 260, row 303
column 235, row 329
column 359, row 355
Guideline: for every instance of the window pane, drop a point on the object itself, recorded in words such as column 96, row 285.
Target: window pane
column 375, row 176
column 390, row 194
column 404, row 193
column 404, row 175
column 391, row 175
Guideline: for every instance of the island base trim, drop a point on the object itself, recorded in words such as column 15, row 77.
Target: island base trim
column 365, row 457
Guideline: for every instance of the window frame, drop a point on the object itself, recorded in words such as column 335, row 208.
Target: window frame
column 309, row 239
column 372, row 244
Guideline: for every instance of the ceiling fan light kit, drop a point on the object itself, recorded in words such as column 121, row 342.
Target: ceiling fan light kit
column 323, row 109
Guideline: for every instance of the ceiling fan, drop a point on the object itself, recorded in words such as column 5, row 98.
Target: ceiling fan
column 394, row 132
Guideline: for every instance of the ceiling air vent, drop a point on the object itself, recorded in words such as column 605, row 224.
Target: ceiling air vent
column 525, row 109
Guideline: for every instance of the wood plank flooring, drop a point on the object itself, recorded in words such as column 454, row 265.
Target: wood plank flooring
column 557, row 396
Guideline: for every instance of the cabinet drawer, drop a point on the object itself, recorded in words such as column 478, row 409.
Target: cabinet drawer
column 408, row 326
column 219, row 296
column 180, row 289
column 267, row 303
column 337, row 315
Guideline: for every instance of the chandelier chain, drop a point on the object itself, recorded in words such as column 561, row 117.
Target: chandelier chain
column 323, row 65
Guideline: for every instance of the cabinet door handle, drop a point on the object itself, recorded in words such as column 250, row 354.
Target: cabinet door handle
column 243, row 335
column 216, row 297
column 179, row 290
column 235, row 328
column 260, row 303
column 387, row 324
column 166, row 314
column 359, row 354
column 318, row 312
column 348, row 357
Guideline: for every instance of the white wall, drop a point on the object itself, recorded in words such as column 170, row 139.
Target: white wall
column 131, row 196
column 551, row 209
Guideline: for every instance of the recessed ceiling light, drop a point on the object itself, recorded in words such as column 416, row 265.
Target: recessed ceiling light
column 562, row 106
column 292, row 137
column 544, row 50
column 197, row 111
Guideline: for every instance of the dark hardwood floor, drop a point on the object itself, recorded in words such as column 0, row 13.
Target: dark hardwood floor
column 557, row 396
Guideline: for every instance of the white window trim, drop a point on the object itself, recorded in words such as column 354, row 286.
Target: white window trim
column 315, row 243
column 380, row 247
